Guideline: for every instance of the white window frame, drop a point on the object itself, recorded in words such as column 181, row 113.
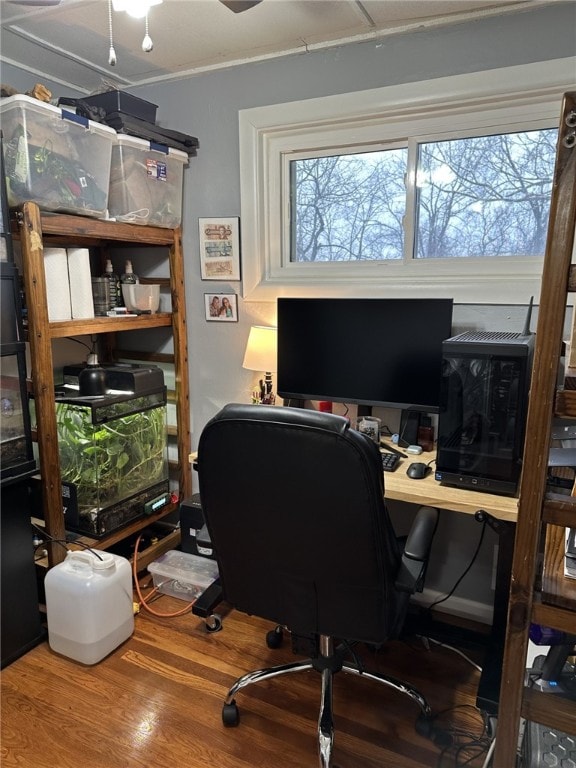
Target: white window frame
column 514, row 98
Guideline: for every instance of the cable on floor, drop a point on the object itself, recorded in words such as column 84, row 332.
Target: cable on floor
column 450, row 648
column 464, row 747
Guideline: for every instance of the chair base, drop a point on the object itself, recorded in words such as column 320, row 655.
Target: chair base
column 328, row 663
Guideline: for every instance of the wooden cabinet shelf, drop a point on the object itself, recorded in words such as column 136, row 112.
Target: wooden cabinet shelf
column 36, row 230
column 96, row 325
column 543, row 516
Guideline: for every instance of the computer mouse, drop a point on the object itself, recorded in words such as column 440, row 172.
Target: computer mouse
column 417, row 470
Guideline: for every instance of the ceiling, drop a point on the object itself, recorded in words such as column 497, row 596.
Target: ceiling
column 69, row 42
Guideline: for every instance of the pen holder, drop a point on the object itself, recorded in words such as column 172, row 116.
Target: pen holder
column 369, row 426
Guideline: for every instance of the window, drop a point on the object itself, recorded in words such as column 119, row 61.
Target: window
column 439, row 188
column 484, row 196
column 348, row 207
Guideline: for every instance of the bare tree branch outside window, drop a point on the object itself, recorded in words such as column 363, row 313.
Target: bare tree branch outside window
column 484, row 196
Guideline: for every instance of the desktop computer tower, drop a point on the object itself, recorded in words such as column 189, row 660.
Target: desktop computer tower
column 483, row 405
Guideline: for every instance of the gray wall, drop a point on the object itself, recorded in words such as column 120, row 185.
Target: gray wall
column 207, row 106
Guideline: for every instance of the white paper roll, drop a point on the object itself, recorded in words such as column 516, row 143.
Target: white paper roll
column 80, row 283
column 57, row 284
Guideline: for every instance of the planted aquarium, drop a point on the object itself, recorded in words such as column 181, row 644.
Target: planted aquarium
column 113, row 458
column 16, row 452
column 15, row 443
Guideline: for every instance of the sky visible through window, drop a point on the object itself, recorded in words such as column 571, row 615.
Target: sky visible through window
column 484, row 196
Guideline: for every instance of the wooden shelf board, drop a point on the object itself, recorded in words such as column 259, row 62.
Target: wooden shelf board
column 559, row 510
column 552, row 616
column 94, row 325
column 549, row 709
column 61, row 227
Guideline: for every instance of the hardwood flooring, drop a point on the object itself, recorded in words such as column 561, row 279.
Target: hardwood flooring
column 156, row 702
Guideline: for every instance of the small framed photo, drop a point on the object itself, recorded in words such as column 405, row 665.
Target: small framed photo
column 219, row 248
column 221, row 307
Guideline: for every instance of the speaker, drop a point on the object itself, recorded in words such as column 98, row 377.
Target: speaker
column 194, row 536
column 409, row 426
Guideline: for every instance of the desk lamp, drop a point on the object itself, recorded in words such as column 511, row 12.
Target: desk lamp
column 261, row 355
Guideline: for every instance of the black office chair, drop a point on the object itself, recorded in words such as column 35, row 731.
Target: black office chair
column 294, row 504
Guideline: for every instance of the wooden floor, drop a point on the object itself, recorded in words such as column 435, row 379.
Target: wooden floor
column 156, row 701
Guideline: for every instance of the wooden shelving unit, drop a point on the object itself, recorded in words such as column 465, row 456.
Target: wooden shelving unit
column 35, row 230
column 543, row 516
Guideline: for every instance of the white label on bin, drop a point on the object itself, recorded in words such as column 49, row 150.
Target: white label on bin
column 156, row 169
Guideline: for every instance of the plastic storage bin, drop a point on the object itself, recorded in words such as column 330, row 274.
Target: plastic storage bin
column 89, row 605
column 55, row 158
column 146, row 182
column 182, row 575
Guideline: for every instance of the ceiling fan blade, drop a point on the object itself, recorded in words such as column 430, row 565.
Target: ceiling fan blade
column 240, row 5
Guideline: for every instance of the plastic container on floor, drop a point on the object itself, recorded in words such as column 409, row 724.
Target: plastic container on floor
column 182, row 575
column 89, row 605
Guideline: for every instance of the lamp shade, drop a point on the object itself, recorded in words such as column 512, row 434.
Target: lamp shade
column 261, row 349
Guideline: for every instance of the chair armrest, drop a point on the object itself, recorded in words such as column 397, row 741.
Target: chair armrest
column 410, row 577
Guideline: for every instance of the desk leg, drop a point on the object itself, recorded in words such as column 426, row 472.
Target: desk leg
column 489, row 686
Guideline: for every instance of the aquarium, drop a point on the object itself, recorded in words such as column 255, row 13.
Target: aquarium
column 113, row 459
column 15, row 441
column 16, row 452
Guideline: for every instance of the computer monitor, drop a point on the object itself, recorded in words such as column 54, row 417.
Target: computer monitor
column 374, row 352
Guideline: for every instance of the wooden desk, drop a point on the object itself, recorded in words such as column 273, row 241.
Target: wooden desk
column 428, row 491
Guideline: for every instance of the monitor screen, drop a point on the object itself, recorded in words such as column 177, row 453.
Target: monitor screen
column 385, row 352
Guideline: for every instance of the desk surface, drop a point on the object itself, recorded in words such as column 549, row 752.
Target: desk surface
column 428, row 491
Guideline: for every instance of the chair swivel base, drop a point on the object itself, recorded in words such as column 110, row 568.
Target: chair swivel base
column 328, row 663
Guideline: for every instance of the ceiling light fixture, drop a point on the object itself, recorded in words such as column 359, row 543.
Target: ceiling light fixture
column 138, row 9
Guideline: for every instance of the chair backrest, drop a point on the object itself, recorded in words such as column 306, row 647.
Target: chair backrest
column 294, row 503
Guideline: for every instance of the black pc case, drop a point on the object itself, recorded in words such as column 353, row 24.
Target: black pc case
column 483, row 404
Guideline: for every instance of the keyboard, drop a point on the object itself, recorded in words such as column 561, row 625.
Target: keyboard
column 389, row 461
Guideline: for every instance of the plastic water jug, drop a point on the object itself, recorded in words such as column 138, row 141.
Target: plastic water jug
column 89, row 605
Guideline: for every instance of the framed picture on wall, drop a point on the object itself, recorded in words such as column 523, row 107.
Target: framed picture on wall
column 221, row 307
column 219, row 248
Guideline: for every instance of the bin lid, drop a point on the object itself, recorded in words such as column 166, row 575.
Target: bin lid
column 183, row 567
column 48, row 110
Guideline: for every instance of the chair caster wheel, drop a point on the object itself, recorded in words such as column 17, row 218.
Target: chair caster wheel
column 230, row 715
column 274, row 637
column 213, row 623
